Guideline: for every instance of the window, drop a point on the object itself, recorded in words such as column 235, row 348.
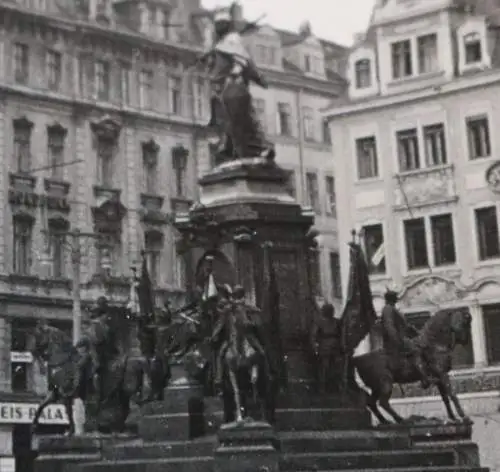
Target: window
column 462, row 356
column 367, row 161
column 308, row 120
column 313, row 192
column 427, row 53
column 408, row 152
column 473, row 48
column 164, row 23
column 307, row 63
column 150, row 163
column 284, row 119
column 373, row 236
column 416, row 244
column 57, row 240
column 56, row 137
column 478, row 134
column 335, row 275
column 266, row 55
column 23, row 237
column 487, row 233
column 145, row 89
column 290, row 184
column 153, row 245
column 53, row 69
column 401, row 59
column 315, row 271
column 21, row 372
column 175, row 95
column 124, row 83
column 260, row 110
column 21, row 63
column 443, row 241
column 102, row 80
column 105, row 154
column 327, row 135
column 491, row 317
column 22, row 145
column 108, row 253
column 200, row 95
column 435, row 145
column 363, row 74
column 331, row 200
column 180, row 181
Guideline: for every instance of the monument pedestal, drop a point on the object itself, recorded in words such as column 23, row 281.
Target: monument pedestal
column 249, row 446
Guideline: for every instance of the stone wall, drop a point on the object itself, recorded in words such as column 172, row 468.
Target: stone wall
column 483, row 409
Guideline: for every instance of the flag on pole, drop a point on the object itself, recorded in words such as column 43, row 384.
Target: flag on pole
column 378, row 255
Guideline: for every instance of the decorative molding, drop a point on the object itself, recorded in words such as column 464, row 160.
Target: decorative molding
column 56, row 187
column 23, row 123
column 492, row 177
column 58, row 129
column 106, row 128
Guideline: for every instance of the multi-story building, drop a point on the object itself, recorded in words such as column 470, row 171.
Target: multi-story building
column 416, row 165
column 101, row 132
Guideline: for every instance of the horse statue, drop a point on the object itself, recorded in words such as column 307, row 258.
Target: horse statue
column 241, row 358
column 437, row 339
column 69, row 368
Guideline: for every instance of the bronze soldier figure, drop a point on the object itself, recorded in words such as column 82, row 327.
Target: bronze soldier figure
column 397, row 334
column 324, row 338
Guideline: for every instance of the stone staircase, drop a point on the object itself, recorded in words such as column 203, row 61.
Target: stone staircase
column 307, row 437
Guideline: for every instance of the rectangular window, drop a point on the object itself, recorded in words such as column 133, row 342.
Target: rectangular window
column 331, row 199
column 175, row 95
column 408, row 150
column 145, row 89
column 153, row 246
column 105, row 154
column 443, row 241
column 22, row 146
column 367, row 161
column 23, row 239
column 56, row 138
column 53, row 64
column 102, row 80
column 478, row 134
column 313, row 192
column 260, row 110
column 435, row 145
column 363, row 74
column 200, row 96
column 109, row 253
column 57, row 242
column 335, row 275
column 150, row 164
column 416, row 244
column 307, row 63
column 491, row 317
column 373, row 236
column 327, row 135
column 473, row 48
column 308, row 120
column 401, row 59
column 487, row 233
column 290, row 184
column 21, row 63
column 427, row 53
column 124, row 84
column 284, row 119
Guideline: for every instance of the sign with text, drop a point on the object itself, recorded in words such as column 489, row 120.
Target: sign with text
column 24, row 357
column 25, row 412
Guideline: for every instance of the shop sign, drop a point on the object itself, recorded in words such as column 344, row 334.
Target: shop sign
column 25, row 412
column 24, row 357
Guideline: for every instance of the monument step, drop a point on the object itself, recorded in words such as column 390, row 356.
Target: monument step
column 322, row 419
column 452, row 468
column 140, row 449
column 342, row 441
column 367, row 460
column 185, row 464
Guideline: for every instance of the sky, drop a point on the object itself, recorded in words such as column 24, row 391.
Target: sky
column 334, row 20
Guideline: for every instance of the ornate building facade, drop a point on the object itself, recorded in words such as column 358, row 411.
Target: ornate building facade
column 418, row 175
column 102, row 140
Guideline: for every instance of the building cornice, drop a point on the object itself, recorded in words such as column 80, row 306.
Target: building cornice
column 461, row 84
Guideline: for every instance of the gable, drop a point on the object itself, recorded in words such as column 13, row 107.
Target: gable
column 395, row 10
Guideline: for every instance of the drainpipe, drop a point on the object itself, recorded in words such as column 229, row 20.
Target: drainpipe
column 298, row 104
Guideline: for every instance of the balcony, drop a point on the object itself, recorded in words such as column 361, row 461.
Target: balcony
column 424, row 187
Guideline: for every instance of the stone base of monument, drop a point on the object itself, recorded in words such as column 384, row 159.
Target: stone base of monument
column 248, row 446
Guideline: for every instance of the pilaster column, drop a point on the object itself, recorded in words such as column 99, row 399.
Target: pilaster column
column 477, row 335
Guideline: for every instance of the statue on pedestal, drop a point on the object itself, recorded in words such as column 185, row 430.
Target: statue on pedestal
column 232, row 110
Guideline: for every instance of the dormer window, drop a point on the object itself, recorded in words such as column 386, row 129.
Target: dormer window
column 473, row 48
column 363, row 74
column 401, row 59
column 307, row 63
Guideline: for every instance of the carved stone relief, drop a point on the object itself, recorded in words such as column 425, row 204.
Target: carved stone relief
column 432, row 290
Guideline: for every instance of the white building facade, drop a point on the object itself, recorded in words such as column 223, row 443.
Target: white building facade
column 417, row 166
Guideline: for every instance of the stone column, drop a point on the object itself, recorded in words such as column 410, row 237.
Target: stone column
column 477, row 335
column 3, row 182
